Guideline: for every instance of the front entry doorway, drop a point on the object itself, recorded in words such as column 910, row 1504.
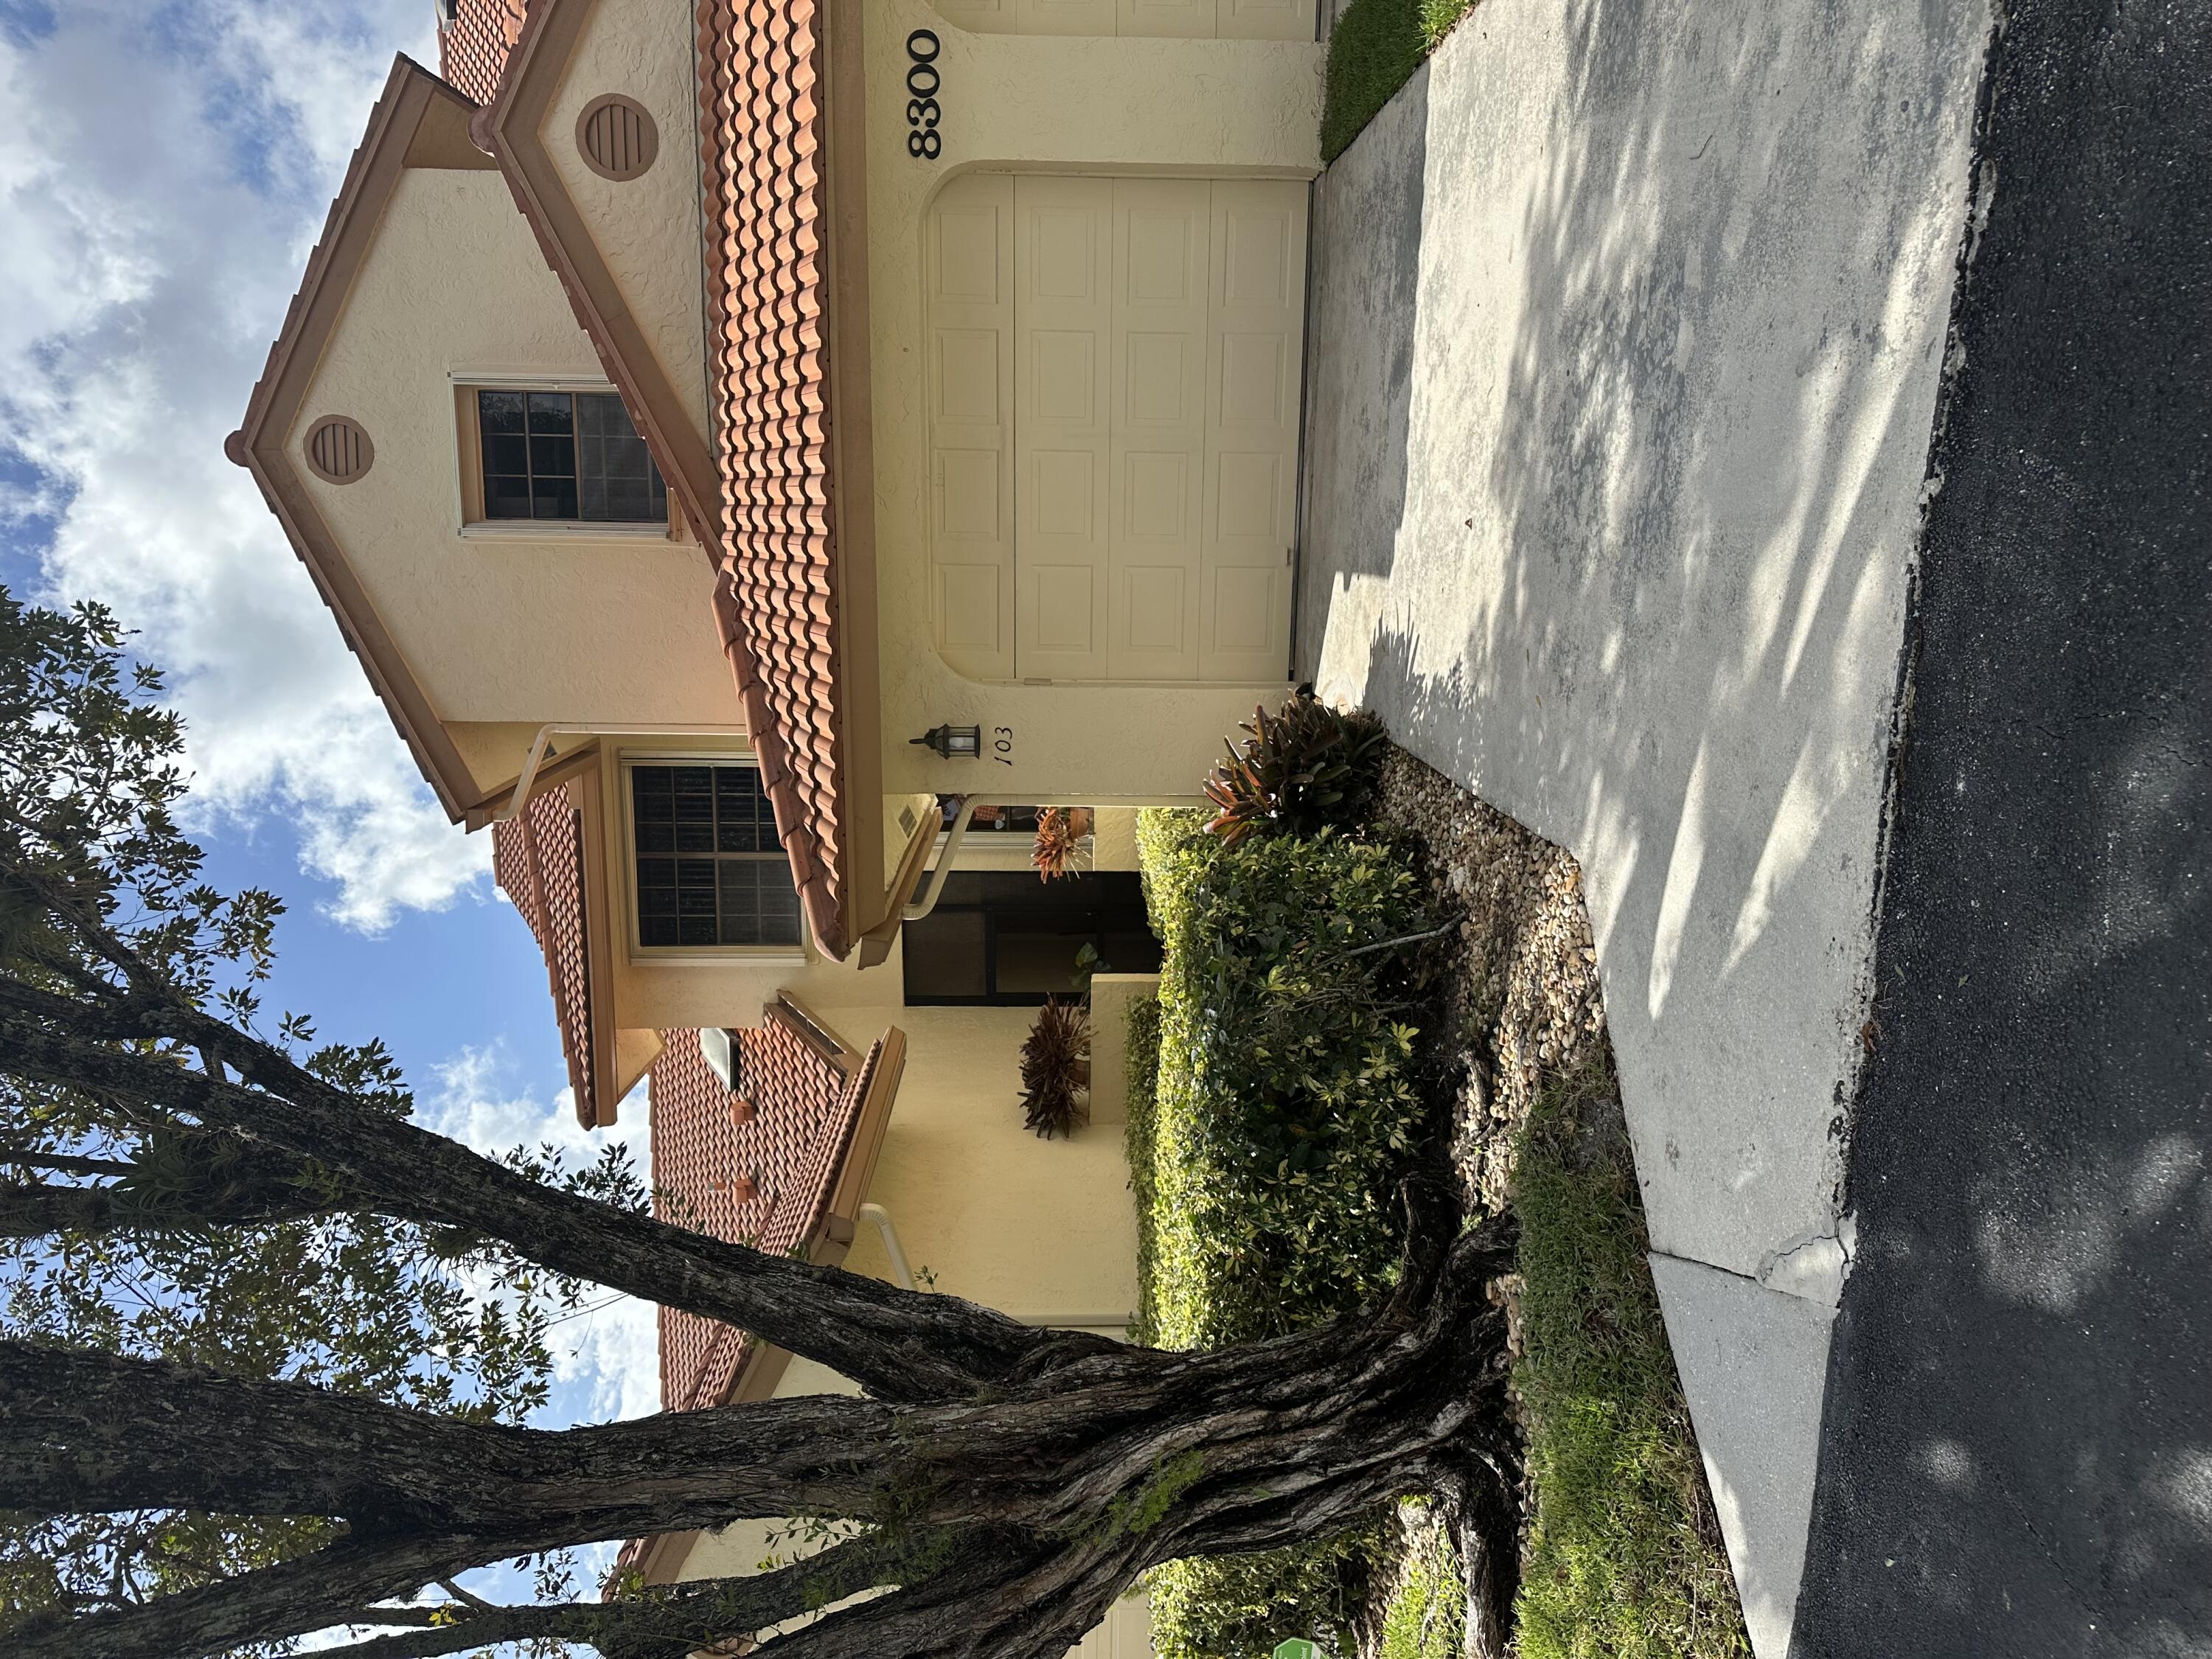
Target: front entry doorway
column 1003, row 938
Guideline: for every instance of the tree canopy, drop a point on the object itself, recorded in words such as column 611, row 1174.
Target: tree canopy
column 267, row 1344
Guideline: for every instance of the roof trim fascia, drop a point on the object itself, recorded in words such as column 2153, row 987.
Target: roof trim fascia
column 412, row 97
column 846, row 325
column 585, row 790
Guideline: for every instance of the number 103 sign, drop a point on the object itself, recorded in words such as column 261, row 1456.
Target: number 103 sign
column 922, row 84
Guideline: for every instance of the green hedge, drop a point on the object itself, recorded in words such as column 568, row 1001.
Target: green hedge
column 1286, row 1108
column 1263, row 1151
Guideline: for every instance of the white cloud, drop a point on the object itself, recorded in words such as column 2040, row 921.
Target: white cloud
column 154, row 222
column 607, row 1362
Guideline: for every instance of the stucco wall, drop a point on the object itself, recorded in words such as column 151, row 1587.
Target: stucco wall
column 648, row 227
column 496, row 630
column 1042, row 1228
column 1158, row 107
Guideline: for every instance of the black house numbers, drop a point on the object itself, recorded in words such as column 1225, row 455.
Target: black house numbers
column 922, row 82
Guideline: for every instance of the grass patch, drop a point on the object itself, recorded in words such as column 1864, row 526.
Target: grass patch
column 1623, row 1562
column 1373, row 50
column 1427, row 1617
column 1265, row 1139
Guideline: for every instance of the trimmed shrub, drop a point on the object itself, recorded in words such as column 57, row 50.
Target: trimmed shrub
column 1373, row 50
column 1286, row 1105
column 1265, row 1142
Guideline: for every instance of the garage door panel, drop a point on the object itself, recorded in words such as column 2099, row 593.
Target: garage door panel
column 1264, row 20
column 969, row 270
column 1188, row 20
column 1162, row 230
column 1256, row 380
column 1063, row 231
column 1064, row 16
column 1065, row 363
column 1068, row 605
column 1256, row 321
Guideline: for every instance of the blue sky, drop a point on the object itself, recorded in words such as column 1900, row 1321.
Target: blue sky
column 164, row 170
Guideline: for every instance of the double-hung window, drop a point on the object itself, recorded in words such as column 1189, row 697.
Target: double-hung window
column 709, row 868
column 565, row 456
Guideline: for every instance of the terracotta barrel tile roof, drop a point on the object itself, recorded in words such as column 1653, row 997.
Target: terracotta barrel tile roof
column 776, row 601
column 472, row 49
column 537, row 859
column 764, row 1181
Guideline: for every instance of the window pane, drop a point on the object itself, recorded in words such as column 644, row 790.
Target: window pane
column 741, row 902
column 779, row 903
column 507, row 498
column 617, row 480
column 650, row 788
column 509, row 456
column 553, row 499
column 499, row 412
column 551, row 412
column 552, row 457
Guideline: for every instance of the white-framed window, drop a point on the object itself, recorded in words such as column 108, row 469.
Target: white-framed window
column 554, row 460
column 707, row 870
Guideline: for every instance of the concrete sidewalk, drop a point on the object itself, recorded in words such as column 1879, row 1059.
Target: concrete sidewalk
column 1628, row 325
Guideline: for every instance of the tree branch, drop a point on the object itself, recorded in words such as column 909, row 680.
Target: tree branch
column 665, row 1621
column 37, row 1208
column 899, row 1343
column 33, row 1158
column 289, row 1599
column 84, row 1431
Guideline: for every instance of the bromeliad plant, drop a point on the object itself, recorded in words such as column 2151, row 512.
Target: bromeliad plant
column 1306, row 769
column 1053, row 853
column 1056, row 1070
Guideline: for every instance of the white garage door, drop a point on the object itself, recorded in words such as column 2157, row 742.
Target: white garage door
column 1113, row 382
column 1200, row 20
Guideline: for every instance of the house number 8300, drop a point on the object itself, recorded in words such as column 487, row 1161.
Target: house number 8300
column 922, row 82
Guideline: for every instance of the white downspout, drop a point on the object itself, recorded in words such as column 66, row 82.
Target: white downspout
column 882, row 1218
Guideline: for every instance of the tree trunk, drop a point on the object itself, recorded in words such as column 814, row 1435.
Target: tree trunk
column 1040, row 1504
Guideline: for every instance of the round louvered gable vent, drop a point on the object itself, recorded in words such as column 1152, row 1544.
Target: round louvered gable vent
column 617, row 137
column 338, row 451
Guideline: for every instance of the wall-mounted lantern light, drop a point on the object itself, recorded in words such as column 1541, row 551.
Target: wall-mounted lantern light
column 953, row 742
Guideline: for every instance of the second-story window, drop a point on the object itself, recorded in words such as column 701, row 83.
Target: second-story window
column 566, row 455
column 710, row 869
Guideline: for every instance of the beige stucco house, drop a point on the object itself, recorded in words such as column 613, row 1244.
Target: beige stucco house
column 742, row 438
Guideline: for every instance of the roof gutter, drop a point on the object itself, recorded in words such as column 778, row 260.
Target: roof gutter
column 544, row 742
column 954, row 836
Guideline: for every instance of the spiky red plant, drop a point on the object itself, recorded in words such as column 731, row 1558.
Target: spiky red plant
column 1056, row 1070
